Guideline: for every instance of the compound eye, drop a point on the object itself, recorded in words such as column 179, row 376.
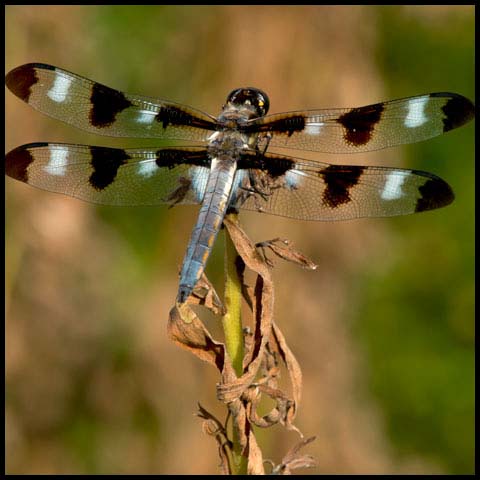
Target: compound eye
column 236, row 96
column 252, row 97
column 262, row 104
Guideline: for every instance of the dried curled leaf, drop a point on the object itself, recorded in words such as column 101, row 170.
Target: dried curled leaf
column 255, row 457
column 284, row 249
column 204, row 294
column 293, row 459
column 293, row 367
column 188, row 331
column 283, row 412
column 211, row 426
column 266, row 350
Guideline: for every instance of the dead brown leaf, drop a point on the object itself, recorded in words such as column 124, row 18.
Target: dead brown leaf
column 284, row 249
column 266, row 350
column 293, row 459
column 186, row 330
column 212, row 426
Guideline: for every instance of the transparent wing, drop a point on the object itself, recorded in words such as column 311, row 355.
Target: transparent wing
column 99, row 109
column 307, row 190
column 368, row 128
column 113, row 176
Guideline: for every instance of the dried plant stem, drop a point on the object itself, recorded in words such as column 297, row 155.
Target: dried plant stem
column 244, row 380
column 232, row 327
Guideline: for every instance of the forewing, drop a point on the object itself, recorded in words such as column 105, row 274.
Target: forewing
column 368, row 128
column 99, row 109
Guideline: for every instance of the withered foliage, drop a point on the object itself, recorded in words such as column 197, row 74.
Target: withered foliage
column 266, row 350
column 284, row 249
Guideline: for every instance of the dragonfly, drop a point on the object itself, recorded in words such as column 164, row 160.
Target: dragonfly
column 227, row 165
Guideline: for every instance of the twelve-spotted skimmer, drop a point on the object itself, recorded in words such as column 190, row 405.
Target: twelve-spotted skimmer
column 232, row 169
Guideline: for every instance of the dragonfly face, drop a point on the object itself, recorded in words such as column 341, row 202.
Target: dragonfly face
column 251, row 96
column 233, row 169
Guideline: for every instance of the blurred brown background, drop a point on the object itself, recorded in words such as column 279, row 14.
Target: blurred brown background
column 384, row 329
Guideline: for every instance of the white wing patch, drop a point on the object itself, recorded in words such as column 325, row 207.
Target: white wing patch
column 146, row 117
column 293, row 179
column 237, row 183
column 59, row 91
column 416, row 112
column 213, row 136
column 146, row 168
column 313, row 126
column 199, row 177
column 393, row 186
column 57, row 164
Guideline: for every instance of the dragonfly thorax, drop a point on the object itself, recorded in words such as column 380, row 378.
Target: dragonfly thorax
column 228, row 142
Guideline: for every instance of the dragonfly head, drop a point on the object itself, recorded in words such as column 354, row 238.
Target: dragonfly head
column 250, row 97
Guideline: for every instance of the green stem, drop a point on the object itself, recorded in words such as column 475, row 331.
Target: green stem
column 232, row 327
column 232, row 320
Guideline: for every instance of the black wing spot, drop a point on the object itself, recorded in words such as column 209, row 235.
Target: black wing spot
column 105, row 164
column 458, row 110
column 21, row 80
column 274, row 165
column 435, row 193
column 169, row 115
column 339, row 180
column 107, row 103
column 171, row 157
column 19, row 159
column 359, row 123
column 286, row 125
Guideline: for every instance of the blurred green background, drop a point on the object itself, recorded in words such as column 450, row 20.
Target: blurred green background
column 384, row 329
